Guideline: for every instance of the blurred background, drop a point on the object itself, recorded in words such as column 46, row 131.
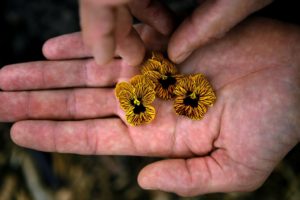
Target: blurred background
column 26, row 174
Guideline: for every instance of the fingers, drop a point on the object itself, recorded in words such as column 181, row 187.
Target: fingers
column 71, row 46
column 209, row 21
column 152, row 39
column 66, row 46
column 153, row 13
column 108, row 136
column 98, row 26
column 63, row 74
column 105, row 136
column 202, row 175
column 59, row 104
column 129, row 47
column 108, row 30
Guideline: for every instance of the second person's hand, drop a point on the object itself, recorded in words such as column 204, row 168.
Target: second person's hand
column 107, row 27
column 211, row 20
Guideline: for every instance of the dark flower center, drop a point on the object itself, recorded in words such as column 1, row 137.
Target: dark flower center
column 138, row 107
column 167, row 81
column 190, row 101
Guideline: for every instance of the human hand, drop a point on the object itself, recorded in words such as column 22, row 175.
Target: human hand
column 253, row 124
column 209, row 21
column 107, row 27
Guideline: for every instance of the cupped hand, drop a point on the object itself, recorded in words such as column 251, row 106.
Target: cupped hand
column 209, row 21
column 107, row 27
column 255, row 71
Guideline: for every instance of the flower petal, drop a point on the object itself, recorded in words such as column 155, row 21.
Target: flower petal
column 123, row 86
column 156, row 55
column 204, row 89
column 202, row 86
column 125, row 100
column 183, row 86
column 198, row 85
column 168, row 68
column 158, row 63
column 141, row 80
column 143, row 88
column 142, row 118
column 154, row 76
column 164, row 88
column 150, row 65
column 208, row 100
column 196, row 113
column 146, row 94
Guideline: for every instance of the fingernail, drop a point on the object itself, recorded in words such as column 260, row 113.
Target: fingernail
column 182, row 56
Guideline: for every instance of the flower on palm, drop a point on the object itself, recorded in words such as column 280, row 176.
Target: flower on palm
column 194, row 95
column 163, row 74
column 135, row 99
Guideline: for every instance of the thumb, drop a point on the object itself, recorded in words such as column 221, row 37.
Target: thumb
column 209, row 21
column 202, row 175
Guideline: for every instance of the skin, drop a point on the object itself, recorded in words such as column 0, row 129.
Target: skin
column 107, row 27
column 254, row 69
column 209, row 21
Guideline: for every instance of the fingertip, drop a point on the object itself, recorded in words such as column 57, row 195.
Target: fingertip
column 177, row 56
column 144, row 178
column 102, row 59
column 155, row 14
column 20, row 136
column 136, row 58
column 1, row 78
column 16, row 134
column 168, row 176
column 132, row 49
column 5, row 75
column 32, row 134
column 185, row 177
column 54, row 48
column 46, row 49
column 103, row 50
column 181, row 45
column 195, row 31
column 66, row 46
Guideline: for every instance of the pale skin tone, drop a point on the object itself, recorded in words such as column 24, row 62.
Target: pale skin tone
column 107, row 26
column 254, row 69
column 108, row 32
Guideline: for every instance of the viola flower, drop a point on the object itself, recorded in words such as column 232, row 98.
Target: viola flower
column 157, row 62
column 163, row 74
column 155, row 56
column 136, row 98
column 194, row 96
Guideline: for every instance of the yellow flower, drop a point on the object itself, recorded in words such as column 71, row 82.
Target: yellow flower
column 163, row 74
column 156, row 55
column 135, row 99
column 194, row 96
column 157, row 62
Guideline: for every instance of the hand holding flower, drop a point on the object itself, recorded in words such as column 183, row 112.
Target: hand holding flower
column 239, row 141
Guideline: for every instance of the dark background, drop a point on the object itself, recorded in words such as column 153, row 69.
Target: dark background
column 27, row 174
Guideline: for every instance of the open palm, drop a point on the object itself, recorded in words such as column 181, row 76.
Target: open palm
column 253, row 124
